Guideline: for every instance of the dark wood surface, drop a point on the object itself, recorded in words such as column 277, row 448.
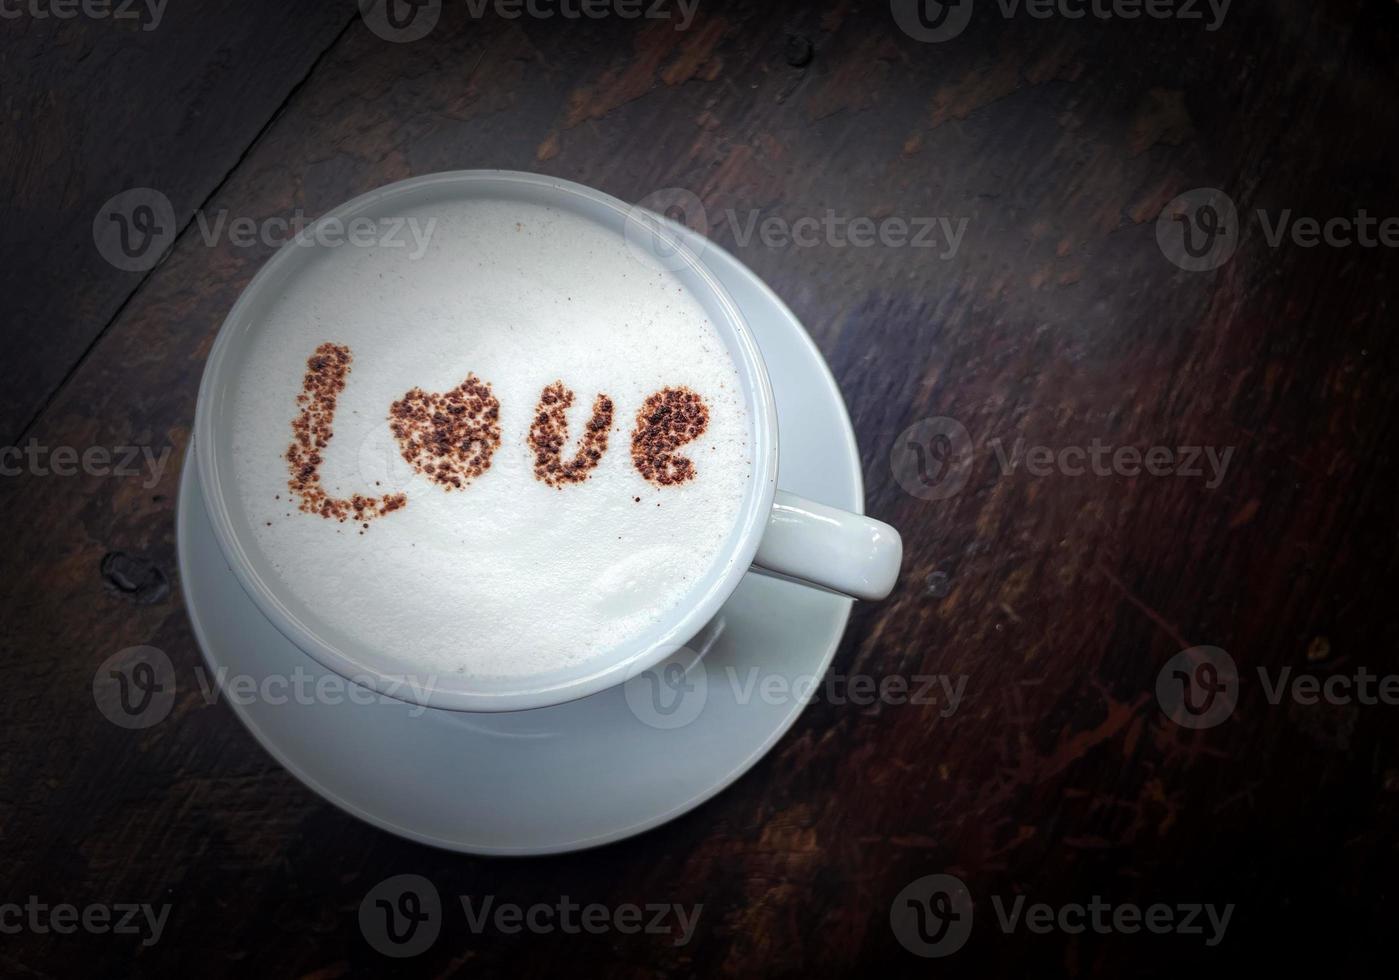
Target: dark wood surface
column 1059, row 598
column 94, row 107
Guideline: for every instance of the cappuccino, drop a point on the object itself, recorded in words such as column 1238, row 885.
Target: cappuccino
column 509, row 455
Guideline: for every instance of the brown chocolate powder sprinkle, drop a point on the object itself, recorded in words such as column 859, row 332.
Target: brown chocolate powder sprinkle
column 449, row 438
column 312, row 431
column 668, row 420
column 550, row 431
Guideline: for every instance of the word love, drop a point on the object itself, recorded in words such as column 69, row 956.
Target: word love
column 451, row 437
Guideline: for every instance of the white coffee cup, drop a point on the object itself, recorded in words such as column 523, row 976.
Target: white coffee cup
column 776, row 533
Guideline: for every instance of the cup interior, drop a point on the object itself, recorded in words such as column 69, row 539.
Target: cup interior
column 388, row 671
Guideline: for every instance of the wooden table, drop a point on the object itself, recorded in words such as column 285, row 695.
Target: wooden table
column 1059, row 592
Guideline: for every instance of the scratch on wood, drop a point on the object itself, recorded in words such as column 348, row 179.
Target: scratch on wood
column 1146, row 610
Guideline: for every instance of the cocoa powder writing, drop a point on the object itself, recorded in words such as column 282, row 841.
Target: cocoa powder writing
column 550, row 431
column 668, row 420
column 312, row 430
column 449, row 438
column 452, row 437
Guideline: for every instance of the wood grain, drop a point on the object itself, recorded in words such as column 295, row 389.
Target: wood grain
column 166, row 96
column 1059, row 598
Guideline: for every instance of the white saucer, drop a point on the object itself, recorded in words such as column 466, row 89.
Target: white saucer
column 581, row 774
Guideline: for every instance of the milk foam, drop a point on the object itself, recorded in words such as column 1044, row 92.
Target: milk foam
column 507, row 577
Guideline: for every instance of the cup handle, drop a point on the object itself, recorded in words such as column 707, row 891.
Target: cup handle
column 830, row 548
